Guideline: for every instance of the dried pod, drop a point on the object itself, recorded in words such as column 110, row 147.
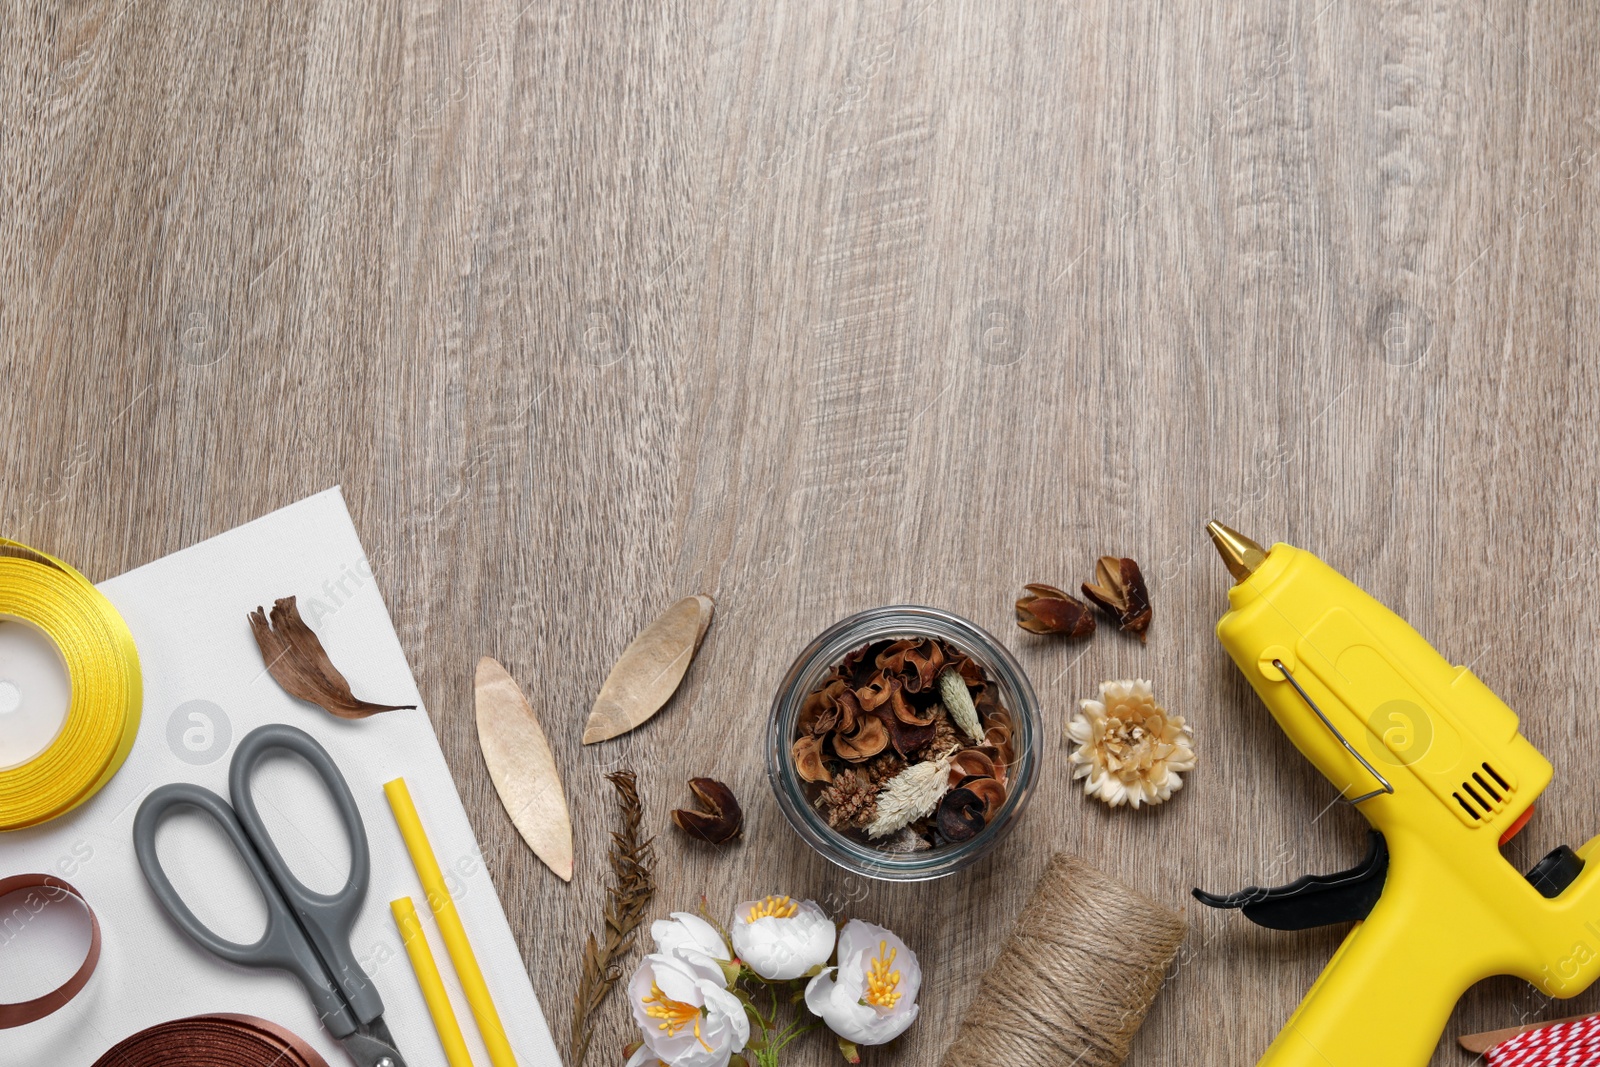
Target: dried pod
column 807, row 752
column 720, row 822
column 906, row 737
column 903, row 709
column 971, row 763
column 960, row 815
column 916, row 661
column 820, row 712
column 876, row 691
column 1120, row 592
column 867, row 739
column 988, row 790
column 297, row 661
column 1044, row 609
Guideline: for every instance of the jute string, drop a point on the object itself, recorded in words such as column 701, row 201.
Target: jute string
column 1075, row 978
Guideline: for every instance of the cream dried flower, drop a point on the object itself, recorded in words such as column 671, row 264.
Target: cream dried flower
column 1130, row 749
column 910, row 795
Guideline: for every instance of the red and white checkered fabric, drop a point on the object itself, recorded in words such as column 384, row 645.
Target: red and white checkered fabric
column 1574, row 1044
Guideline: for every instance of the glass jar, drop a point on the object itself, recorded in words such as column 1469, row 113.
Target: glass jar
column 892, row 623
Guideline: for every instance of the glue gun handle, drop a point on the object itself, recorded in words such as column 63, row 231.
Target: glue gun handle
column 1382, row 1001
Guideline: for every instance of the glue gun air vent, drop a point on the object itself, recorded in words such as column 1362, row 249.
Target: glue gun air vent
column 1483, row 794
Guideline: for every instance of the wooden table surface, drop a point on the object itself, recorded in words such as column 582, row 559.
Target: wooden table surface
column 821, row 307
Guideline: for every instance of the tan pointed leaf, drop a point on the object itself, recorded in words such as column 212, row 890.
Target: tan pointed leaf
column 650, row 669
column 522, row 767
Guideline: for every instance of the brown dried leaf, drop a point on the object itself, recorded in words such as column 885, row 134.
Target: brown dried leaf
column 650, row 669
column 720, row 822
column 1044, row 609
column 522, row 767
column 1120, row 592
column 297, row 661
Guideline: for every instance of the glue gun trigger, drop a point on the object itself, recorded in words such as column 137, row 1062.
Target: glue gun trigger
column 1315, row 899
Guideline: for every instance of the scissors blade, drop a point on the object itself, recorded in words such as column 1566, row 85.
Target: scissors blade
column 373, row 1046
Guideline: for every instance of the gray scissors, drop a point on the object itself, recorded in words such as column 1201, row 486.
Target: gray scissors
column 307, row 934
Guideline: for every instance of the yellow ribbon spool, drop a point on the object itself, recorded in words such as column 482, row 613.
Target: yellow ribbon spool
column 103, row 667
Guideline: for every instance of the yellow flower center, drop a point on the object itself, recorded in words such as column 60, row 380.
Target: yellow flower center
column 773, row 907
column 674, row 1014
column 883, row 984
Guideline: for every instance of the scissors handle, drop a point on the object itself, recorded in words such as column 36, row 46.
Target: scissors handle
column 326, row 919
column 282, row 944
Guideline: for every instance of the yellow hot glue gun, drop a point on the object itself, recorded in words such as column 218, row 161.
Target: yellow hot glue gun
column 1434, row 761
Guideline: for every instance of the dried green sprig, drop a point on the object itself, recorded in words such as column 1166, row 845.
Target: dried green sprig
column 629, row 895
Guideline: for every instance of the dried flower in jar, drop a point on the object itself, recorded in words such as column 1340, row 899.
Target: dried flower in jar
column 892, row 729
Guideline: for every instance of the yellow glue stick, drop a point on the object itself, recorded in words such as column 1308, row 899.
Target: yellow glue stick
column 444, row 1016
column 444, row 913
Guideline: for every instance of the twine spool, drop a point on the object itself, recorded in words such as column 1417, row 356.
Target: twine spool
column 1075, row 978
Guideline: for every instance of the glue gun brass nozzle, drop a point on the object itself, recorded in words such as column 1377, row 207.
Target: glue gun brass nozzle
column 1241, row 555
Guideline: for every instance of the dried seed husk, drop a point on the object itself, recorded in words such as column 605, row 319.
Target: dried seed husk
column 1044, row 609
column 819, row 714
column 876, row 691
column 960, row 815
column 988, row 790
column 650, row 669
column 1119, row 591
column 297, row 661
column 522, row 767
column 808, row 762
column 916, row 661
column 905, row 737
column 720, row 822
column 869, row 738
column 971, row 763
column 903, row 709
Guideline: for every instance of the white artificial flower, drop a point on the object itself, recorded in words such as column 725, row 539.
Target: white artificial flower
column 691, row 937
column 685, row 1012
column 871, row 997
column 780, row 939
